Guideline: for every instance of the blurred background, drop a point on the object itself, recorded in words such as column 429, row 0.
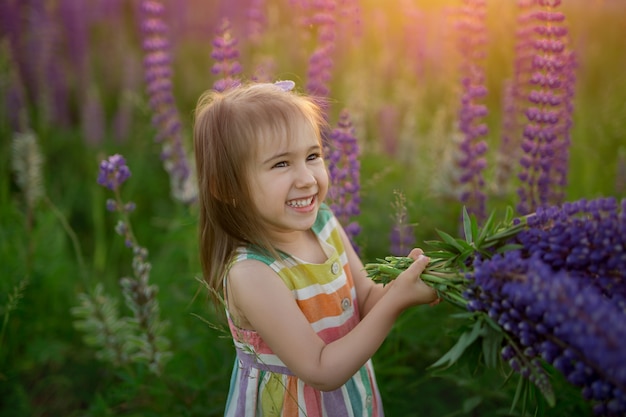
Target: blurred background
column 81, row 80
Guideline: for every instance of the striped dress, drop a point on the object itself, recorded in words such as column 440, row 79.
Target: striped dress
column 261, row 384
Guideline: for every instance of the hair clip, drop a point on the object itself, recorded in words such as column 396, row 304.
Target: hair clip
column 285, row 85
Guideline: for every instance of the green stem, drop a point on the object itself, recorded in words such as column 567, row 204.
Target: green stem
column 73, row 238
column 448, row 276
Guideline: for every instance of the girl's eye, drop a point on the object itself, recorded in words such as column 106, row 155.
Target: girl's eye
column 280, row 164
column 314, row 156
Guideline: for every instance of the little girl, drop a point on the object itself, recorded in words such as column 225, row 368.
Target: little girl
column 304, row 317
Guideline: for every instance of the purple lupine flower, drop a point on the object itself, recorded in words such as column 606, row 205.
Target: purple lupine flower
column 111, row 205
column 471, row 161
column 514, row 97
column 151, row 346
column 113, row 172
column 562, row 297
column 486, row 294
column 257, row 21
column 321, row 61
column 350, row 23
column 35, row 54
column 555, row 316
column 549, row 113
column 158, row 73
column 344, row 172
column 510, row 127
column 225, row 54
column 585, row 237
column 73, row 14
column 560, row 164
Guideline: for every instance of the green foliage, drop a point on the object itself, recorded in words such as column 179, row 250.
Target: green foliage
column 481, row 339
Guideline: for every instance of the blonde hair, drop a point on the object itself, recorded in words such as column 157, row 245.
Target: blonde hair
column 227, row 128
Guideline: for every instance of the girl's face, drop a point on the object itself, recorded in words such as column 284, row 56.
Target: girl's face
column 289, row 181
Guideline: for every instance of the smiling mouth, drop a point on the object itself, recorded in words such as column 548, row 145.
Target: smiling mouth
column 301, row 202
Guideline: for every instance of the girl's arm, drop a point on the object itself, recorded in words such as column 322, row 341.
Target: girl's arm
column 262, row 300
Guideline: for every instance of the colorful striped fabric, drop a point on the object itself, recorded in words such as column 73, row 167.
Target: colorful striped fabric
column 261, row 384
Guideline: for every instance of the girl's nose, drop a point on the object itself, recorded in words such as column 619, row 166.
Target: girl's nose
column 305, row 177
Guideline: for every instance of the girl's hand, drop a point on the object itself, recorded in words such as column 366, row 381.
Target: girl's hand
column 409, row 288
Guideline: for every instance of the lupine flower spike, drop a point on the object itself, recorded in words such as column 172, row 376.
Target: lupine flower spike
column 544, row 289
column 257, row 21
column 98, row 316
column 321, row 60
column 549, row 113
column 158, row 75
column 563, row 295
column 472, row 162
column 515, row 98
column 344, row 171
column 225, row 54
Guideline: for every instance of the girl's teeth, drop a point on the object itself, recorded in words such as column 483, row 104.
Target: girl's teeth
column 300, row 203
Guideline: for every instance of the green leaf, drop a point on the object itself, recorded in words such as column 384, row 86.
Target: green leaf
column 465, row 315
column 492, row 323
column 475, row 229
column 485, row 229
column 502, row 234
column 456, row 243
column 463, row 256
column 509, row 247
column 443, row 246
column 467, row 226
column 471, row 403
column 492, row 342
column 465, row 340
column 520, row 391
column 438, row 256
column 508, row 215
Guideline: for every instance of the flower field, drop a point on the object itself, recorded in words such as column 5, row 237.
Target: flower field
column 488, row 132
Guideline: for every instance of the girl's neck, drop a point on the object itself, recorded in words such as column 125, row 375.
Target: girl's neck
column 305, row 246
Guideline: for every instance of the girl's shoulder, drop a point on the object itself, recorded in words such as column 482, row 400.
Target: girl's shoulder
column 253, row 252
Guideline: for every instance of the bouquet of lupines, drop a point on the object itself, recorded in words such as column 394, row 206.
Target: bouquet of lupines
column 546, row 288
